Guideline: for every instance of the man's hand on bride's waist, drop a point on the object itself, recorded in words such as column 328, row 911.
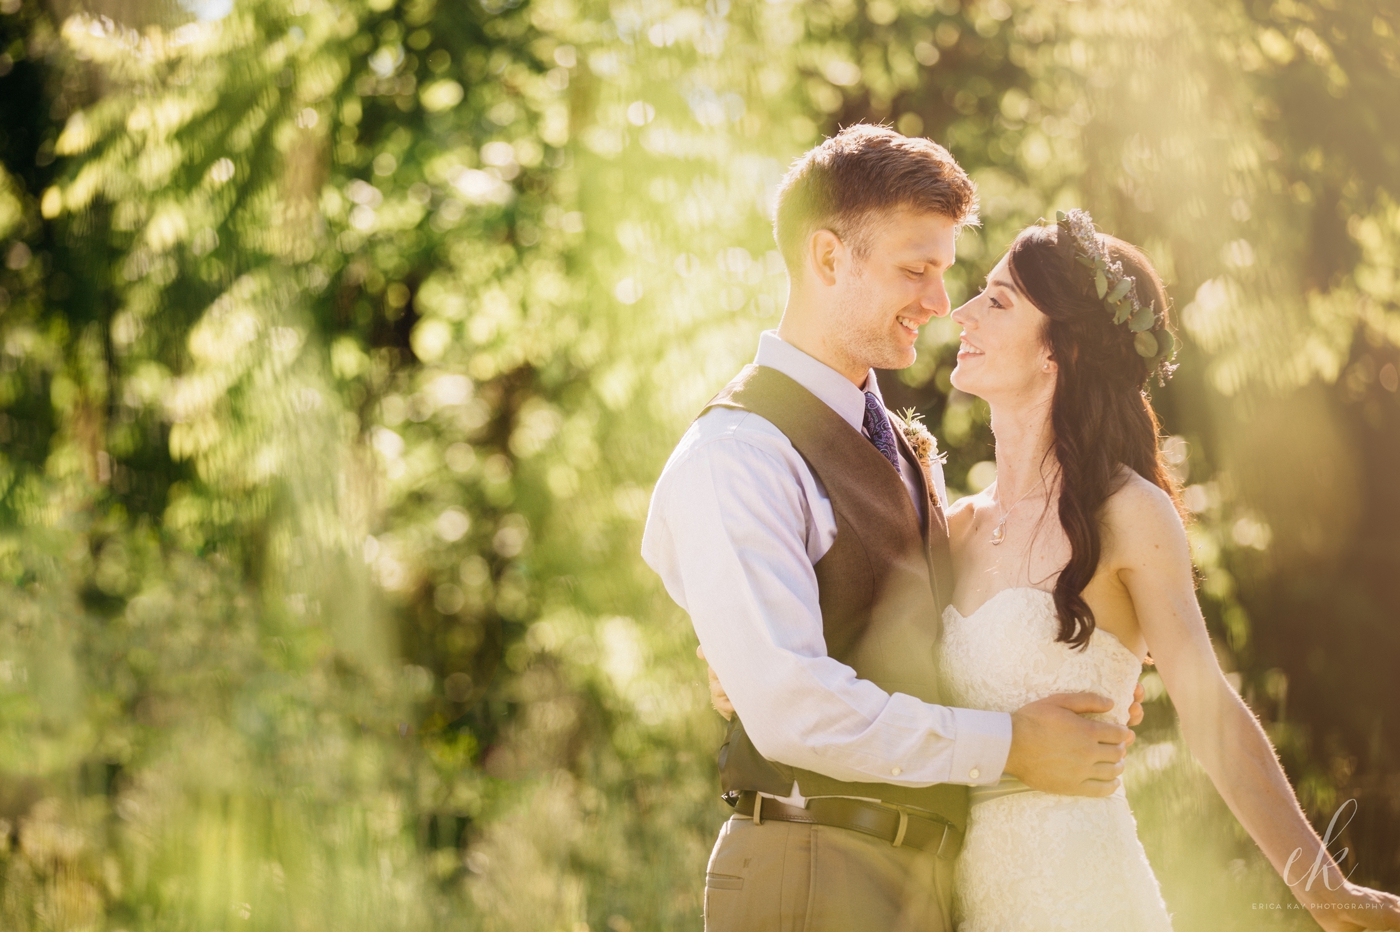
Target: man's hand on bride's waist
column 1135, row 711
column 1055, row 749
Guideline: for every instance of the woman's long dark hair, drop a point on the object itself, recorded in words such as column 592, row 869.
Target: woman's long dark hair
column 1101, row 416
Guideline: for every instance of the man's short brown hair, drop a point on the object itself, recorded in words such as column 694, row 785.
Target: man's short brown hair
column 861, row 172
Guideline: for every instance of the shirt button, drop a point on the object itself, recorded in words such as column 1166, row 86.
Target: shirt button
column 896, row 771
column 974, row 773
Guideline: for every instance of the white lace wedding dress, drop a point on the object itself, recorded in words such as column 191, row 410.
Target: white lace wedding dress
column 1032, row 861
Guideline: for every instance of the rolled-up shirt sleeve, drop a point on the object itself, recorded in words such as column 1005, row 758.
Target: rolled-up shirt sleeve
column 732, row 534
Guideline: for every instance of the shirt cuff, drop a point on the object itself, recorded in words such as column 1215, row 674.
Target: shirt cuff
column 981, row 747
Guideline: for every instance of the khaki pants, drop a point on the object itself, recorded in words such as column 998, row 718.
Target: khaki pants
column 792, row 877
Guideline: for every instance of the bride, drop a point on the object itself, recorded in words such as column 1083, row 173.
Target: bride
column 1071, row 569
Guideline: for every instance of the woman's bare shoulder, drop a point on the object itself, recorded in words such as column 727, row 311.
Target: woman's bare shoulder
column 1140, row 513
column 1136, row 493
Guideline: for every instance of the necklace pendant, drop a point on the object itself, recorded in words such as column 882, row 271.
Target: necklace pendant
column 999, row 534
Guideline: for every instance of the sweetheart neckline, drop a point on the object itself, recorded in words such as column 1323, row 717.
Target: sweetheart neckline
column 996, row 595
column 1000, row 592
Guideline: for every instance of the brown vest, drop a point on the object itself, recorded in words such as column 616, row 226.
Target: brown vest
column 882, row 586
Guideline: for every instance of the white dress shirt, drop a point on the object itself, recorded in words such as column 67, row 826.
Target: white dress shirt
column 736, row 527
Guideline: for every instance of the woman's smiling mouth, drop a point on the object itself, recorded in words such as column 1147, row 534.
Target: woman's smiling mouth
column 967, row 349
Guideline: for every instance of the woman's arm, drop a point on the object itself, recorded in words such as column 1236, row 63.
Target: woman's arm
column 1152, row 559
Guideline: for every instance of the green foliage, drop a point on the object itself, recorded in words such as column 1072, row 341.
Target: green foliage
column 340, row 345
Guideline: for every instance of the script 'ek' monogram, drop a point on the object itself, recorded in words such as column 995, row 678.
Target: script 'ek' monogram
column 1319, row 868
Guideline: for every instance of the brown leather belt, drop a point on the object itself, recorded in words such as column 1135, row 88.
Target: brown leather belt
column 900, row 827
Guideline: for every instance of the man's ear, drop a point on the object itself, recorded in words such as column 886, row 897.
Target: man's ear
column 825, row 254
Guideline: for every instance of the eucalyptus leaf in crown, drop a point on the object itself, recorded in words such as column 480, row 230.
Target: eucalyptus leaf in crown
column 1117, row 290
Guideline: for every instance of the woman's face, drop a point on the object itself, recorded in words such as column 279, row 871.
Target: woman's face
column 1003, row 356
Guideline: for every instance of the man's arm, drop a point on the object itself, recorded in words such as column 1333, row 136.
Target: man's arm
column 719, row 699
column 733, row 534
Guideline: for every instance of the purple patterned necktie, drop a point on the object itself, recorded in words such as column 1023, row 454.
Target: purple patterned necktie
column 877, row 425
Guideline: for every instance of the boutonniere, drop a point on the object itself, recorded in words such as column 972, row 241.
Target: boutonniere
column 923, row 443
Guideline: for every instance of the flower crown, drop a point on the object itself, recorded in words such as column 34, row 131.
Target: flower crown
column 1118, row 292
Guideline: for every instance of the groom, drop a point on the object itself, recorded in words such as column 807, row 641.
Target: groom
column 798, row 528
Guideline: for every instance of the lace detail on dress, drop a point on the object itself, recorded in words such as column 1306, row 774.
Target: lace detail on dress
column 1034, row 861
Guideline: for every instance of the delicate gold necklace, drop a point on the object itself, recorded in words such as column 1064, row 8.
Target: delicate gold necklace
column 999, row 532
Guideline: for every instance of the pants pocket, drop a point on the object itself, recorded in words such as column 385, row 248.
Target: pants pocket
column 715, row 881
column 724, row 903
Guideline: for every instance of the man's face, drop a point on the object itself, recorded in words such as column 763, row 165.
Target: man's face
column 887, row 294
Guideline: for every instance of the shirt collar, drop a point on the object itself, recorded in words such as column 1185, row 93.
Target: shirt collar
column 831, row 387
